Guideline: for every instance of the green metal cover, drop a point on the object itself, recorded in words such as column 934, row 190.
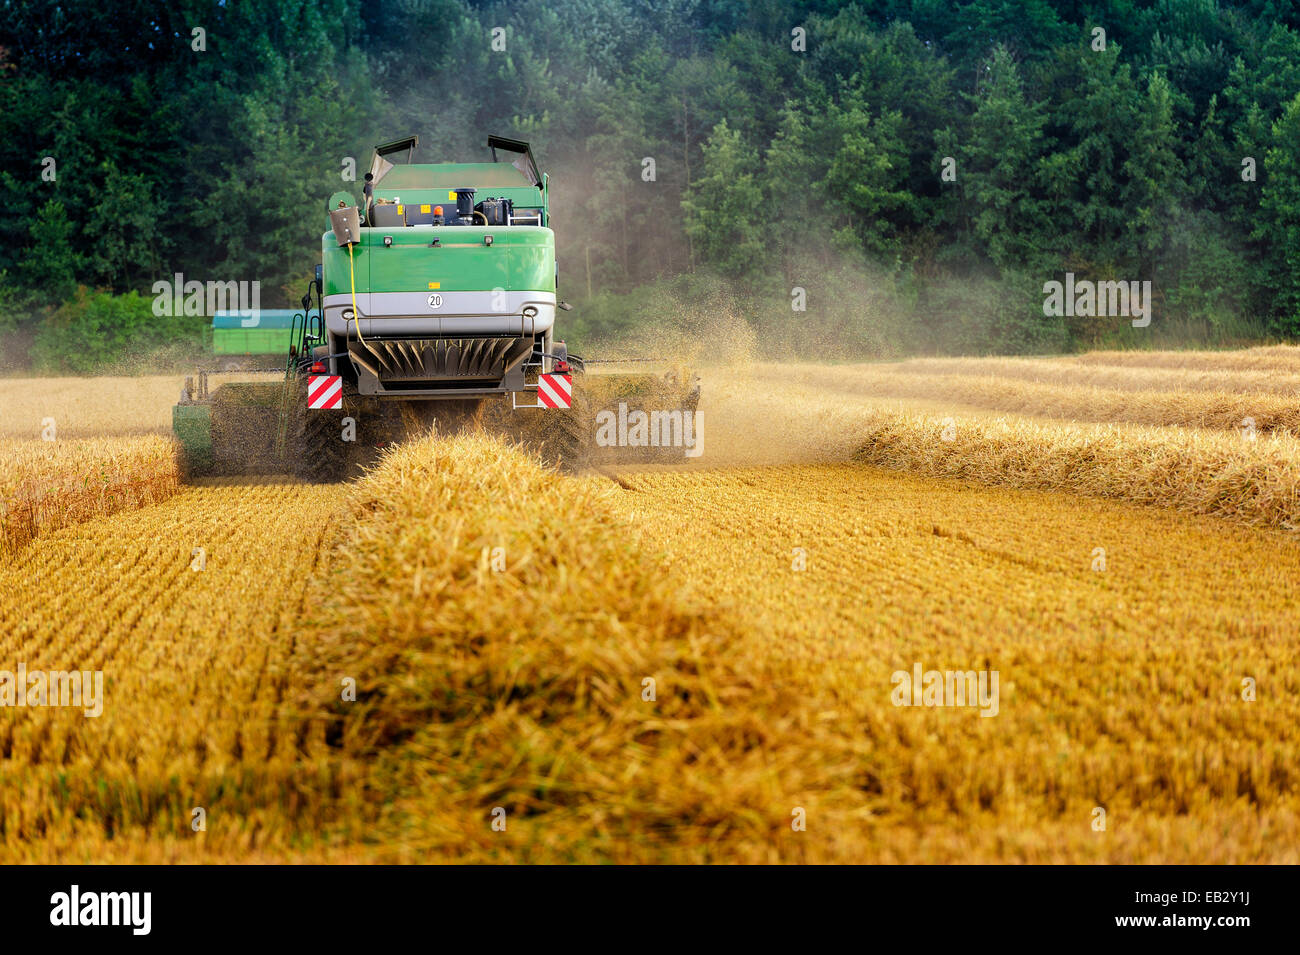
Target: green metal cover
column 192, row 425
column 521, row 258
column 251, row 341
column 265, row 318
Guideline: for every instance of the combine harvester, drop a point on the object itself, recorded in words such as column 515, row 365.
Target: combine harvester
column 436, row 295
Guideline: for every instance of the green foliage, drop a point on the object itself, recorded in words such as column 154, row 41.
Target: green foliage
column 97, row 331
column 1097, row 115
column 1153, row 176
column 51, row 264
column 773, row 168
column 125, row 225
column 1000, row 165
column 724, row 207
column 1280, row 209
column 11, row 309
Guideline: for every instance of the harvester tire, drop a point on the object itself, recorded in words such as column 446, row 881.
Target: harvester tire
column 556, row 436
column 318, row 452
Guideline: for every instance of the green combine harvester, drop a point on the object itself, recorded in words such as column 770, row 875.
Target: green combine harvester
column 435, row 302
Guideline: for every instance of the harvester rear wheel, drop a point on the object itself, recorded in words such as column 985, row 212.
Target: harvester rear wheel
column 318, row 451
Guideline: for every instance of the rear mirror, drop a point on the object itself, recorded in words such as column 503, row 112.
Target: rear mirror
column 320, row 274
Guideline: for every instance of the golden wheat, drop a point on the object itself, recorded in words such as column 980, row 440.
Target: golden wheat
column 189, row 608
column 45, row 485
column 557, row 679
column 675, row 666
column 518, row 688
column 515, row 679
column 1086, row 373
column 1254, row 482
column 1282, row 358
column 99, row 406
column 1229, row 474
column 1122, row 637
column 1198, row 409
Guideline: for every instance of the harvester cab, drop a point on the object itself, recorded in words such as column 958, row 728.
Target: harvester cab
column 436, row 294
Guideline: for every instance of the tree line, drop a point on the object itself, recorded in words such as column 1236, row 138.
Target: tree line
column 876, row 177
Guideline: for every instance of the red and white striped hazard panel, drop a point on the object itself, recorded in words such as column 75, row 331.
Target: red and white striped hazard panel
column 325, row 392
column 555, row 391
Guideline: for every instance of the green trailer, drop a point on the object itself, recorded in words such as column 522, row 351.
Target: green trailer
column 255, row 339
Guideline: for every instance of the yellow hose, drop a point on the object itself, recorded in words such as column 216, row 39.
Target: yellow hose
column 352, row 278
column 481, row 216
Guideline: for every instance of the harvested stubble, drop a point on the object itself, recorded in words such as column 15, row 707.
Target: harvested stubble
column 523, row 688
column 1284, row 358
column 1221, row 410
column 1221, row 473
column 197, row 670
column 45, row 485
column 1119, row 687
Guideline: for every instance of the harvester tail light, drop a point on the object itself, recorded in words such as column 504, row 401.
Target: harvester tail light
column 318, row 368
column 562, row 368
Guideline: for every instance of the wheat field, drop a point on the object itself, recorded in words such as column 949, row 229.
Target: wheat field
column 96, row 406
column 189, row 608
column 45, row 485
column 467, row 656
column 1121, row 687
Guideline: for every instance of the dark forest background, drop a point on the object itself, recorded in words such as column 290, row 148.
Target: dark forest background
column 775, row 168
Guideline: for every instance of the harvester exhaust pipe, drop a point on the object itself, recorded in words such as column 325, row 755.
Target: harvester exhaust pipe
column 465, row 204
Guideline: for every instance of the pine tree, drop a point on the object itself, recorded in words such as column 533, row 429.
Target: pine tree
column 51, row 263
column 1000, row 164
column 725, row 203
column 1280, row 210
column 1153, row 177
column 1097, row 115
